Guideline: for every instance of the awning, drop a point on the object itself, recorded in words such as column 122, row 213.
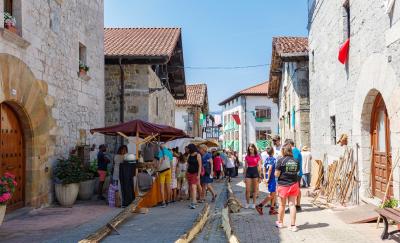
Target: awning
column 142, row 129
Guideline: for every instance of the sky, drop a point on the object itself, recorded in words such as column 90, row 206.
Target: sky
column 218, row 33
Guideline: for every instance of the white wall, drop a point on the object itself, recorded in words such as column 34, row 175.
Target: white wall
column 180, row 123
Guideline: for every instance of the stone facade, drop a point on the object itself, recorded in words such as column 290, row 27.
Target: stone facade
column 347, row 92
column 294, row 103
column 157, row 107
column 39, row 79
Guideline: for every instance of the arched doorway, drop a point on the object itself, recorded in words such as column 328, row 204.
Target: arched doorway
column 381, row 165
column 12, row 152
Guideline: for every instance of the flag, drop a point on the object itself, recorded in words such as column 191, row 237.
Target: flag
column 344, row 52
column 236, row 118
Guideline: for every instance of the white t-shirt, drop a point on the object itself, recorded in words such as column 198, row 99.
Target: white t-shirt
column 264, row 156
column 230, row 163
column 277, row 152
column 306, row 161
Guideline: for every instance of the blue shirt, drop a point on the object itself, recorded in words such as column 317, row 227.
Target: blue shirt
column 165, row 152
column 270, row 162
column 297, row 156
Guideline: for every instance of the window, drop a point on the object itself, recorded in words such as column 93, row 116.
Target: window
column 261, row 134
column 333, row 129
column 346, row 19
column 236, row 135
column 82, row 53
column 8, row 6
column 261, row 113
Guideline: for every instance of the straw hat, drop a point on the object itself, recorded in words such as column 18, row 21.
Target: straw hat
column 305, row 148
column 343, row 139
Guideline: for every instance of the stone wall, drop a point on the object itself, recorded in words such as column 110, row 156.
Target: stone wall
column 40, row 80
column 139, row 103
column 294, row 94
column 348, row 91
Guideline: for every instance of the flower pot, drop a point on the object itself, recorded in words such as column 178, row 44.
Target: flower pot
column 82, row 72
column 66, row 194
column 11, row 28
column 86, row 189
column 2, row 213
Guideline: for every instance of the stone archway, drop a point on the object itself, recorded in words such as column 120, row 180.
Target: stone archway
column 376, row 77
column 30, row 100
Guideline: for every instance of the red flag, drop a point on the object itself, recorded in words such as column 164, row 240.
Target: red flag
column 236, row 118
column 344, row 52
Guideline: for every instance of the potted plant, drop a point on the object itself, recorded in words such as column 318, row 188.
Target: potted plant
column 10, row 22
column 391, row 203
column 67, row 174
column 86, row 186
column 7, row 188
column 83, row 68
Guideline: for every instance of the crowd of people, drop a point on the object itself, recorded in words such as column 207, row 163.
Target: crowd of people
column 284, row 169
column 190, row 175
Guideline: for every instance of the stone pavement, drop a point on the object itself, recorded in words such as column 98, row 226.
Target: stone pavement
column 56, row 224
column 161, row 225
column 315, row 224
column 212, row 231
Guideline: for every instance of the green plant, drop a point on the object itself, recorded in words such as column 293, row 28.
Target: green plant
column 68, row 171
column 7, row 187
column 9, row 19
column 391, row 203
column 83, row 66
column 93, row 167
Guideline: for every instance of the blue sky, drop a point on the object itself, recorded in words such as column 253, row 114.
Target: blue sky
column 218, row 33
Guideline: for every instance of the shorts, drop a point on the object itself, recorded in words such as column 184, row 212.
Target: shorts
column 272, row 186
column 192, row 178
column 165, row 177
column 289, row 191
column 252, row 172
column 230, row 172
column 217, row 174
column 102, row 175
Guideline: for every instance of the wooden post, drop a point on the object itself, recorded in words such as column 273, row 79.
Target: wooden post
column 137, row 145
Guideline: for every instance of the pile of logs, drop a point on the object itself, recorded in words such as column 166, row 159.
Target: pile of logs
column 339, row 182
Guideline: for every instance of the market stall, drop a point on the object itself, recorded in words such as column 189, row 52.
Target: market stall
column 144, row 132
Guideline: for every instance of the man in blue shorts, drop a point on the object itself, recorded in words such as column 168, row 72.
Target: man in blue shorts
column 269, row 172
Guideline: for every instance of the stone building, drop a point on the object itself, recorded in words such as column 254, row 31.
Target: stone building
column 190, row 112
column 361, row 97
column 249, row 116
column 46, row 106
column 148, row 64
column 289, row 87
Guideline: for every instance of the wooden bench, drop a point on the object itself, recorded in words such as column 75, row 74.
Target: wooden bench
column 386, row 214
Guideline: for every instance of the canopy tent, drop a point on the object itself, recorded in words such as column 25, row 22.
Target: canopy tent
column 183, row 142
column 141, row 129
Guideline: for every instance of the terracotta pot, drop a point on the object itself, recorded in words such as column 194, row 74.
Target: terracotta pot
column 86, row 189
column 82, row 72
column 11, row 28
column 66, row 194
column 2, row 213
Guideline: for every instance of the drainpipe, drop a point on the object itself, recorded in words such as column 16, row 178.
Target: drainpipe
column 245, row 125
column 122, row 96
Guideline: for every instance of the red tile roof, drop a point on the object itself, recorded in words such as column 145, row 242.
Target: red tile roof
column 256, row 90
column 140, row 42
column 285, row 45
column 196, row 95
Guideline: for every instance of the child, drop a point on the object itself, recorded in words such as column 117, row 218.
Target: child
column 182, row 183
column 217, row 166
column 269, row 172
column 174, row 181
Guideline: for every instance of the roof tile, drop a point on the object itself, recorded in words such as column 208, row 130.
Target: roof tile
column 195, row 95
column 140, row 42
column 259, row 89
column 287, row 44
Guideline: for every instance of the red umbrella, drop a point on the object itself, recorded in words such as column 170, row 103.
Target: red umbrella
column 142, row 129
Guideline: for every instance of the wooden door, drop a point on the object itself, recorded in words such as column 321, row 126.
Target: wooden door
column 381, row 150
column 12, row 153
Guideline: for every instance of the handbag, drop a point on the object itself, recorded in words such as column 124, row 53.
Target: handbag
column 165, row 163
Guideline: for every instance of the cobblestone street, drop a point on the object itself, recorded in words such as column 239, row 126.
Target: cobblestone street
column 315, row 224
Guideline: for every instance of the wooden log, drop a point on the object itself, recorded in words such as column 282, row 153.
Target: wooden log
column 113, row 224
column 233, row 203
column 197, row 226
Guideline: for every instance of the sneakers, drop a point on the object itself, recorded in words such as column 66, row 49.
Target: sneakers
column 293, row 228
column 298, row 208
column 163, row 205
column 192, row 206
column 246, row 205
column 259, row 209
column 278, row 224
column 273, row 212
column 252, row 206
